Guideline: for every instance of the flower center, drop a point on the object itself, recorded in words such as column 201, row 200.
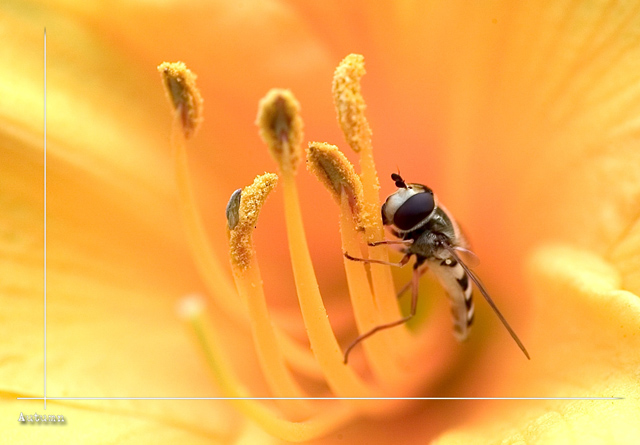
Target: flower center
column 383, row 368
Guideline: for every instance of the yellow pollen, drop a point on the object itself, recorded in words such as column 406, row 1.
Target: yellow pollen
column 350, row 107
column 251, row 201
column 180, row 84
column 335, row 171
column 349, row 103
column 293, row 371
column 281, row 127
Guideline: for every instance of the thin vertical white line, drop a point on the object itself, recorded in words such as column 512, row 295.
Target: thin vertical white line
column 45, row 218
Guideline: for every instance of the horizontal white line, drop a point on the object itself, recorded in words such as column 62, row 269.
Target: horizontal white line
column 321, row 398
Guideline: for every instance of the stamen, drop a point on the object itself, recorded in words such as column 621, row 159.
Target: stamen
column 279, row 354
column 281, row 127
column 244, row 207
column 349, row 103
column 181, row 89
column 192, row 312
column 209, row 265
column 341, row 379
column 211, row 269
column 363, row 302
column 350, row 107
column 251, row 201
column 335, row 171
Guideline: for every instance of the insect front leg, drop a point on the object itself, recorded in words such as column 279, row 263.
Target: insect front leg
column 410, row 283
column 405, row 259
column 404, row 242
column 414, row 304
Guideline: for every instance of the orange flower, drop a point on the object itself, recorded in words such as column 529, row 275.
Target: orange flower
column 522, row 119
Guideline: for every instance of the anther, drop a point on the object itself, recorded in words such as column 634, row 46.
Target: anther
column 349, row 103
column 252, row 199
column 335, row 171
column 185, row 97
column 281, row 126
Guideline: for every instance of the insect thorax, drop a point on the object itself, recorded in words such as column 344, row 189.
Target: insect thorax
column 429, row 239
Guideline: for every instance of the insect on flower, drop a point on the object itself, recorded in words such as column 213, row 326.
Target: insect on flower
column 429, row 232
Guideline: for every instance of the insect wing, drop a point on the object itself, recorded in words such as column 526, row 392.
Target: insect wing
column 485, row 294
column 467, row 257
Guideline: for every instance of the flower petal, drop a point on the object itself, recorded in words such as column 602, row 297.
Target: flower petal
column 101, row 129
column 106, row 335
column 112, row 234
column 584, row 343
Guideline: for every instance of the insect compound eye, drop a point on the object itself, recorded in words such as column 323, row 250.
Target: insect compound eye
column 414, row 210
column 385, row 220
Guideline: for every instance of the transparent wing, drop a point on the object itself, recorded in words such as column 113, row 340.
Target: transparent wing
column 485, row 294
column 470, row 258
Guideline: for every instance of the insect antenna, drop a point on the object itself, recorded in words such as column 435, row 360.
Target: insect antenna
column 398, row 180
column 485, row 294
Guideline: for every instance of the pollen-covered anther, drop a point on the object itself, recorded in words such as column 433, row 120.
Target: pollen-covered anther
column 335, row 171
column 281, row 126
column 245, row 216
column 185, row 97
column 349, row 103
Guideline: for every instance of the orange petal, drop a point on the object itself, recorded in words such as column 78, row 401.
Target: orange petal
column 584, row 342
column 112, row 234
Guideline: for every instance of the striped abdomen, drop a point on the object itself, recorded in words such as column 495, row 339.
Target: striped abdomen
column 458, row 286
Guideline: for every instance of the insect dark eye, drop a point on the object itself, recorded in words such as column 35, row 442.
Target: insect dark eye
column 385, row 220
column 413, row 211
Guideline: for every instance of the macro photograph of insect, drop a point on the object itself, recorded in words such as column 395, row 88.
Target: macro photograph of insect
column 292, row 221
column 429, row 233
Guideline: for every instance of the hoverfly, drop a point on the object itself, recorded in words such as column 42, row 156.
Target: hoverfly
column 429, row 232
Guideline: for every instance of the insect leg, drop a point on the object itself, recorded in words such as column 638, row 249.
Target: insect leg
column 414, row 304
column 403, row 261
column 408, row 285
column 404, row 242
